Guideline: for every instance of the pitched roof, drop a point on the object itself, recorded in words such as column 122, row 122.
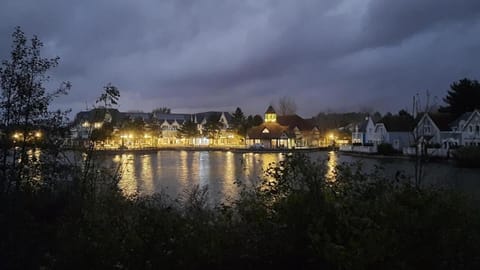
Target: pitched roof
column 270, row 109
column 442, row 120
column 398, row 123
column 362, row 126
column 292, row 121
column 97, row 115
column 463, row 117
column 275, row 131
column 173, row 116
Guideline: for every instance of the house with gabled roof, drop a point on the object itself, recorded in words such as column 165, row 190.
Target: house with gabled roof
column 364, row 132
column 467, row 126
column 287, row 131
column 434, row 129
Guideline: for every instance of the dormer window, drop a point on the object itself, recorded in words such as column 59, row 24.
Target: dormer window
column 265, row 130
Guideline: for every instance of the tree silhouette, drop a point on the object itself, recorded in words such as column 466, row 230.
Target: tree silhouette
column 463, row 96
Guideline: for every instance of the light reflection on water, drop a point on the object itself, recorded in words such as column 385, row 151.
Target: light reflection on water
column 175, row 171
column 332, row 164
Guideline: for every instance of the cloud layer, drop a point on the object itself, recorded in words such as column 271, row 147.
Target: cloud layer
column 213, row 54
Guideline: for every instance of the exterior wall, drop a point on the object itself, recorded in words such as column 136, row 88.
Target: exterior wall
column 359, row 149
column 427, row 128
column 470, row 134
column 381, row 134
column 369, row 136
column 401, row 139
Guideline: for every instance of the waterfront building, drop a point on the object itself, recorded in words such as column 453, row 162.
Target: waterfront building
column 288, row 131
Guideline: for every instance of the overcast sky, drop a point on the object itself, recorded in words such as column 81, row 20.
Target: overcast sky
column 197, row 55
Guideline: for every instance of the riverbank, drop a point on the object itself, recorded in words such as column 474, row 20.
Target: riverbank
column 396, row 157
column 209, row 148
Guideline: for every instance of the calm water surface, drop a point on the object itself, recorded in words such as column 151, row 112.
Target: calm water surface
column 173, row 172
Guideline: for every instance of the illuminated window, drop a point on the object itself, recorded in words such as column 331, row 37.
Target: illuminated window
column 270, row 117
column 97, row 124
column 265, row 130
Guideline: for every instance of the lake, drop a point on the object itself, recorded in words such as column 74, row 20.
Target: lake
column 175, row 171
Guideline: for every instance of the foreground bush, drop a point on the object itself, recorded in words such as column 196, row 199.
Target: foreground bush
column 294, row 218
column 467, row 156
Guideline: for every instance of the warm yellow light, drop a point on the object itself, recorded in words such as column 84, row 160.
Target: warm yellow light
column 97, row 124
column 146, row 136
column 16, row 135
column 331, row 136
column 130, row 136
column 86, row 124
column 38, row 134
column 123, row 136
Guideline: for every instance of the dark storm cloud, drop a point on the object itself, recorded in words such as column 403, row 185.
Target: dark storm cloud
column 212, row 54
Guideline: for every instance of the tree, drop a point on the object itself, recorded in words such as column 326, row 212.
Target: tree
column 110, row 96
column 286, row 106
column 463, row 96
column 188, row 130
column 238, row 121
column 25, row 109
column 162, row 110
column 212, row 128
column 257, row 120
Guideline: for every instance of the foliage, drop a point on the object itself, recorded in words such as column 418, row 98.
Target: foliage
column 239, row 123
column 162, row 110
column 467, row 156
column 402, row 121
column 212, row 128
column 110, row 96
column 188, row 130
column 386, row 149
column 327, row 121
column 292, row 218
column 25, row 116
column 463, row 96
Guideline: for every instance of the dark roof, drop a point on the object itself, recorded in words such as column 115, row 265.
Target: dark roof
column 97, row 115
column 275, row 131
column 292, row 121
column 441, row 120
column 212, row 115
column 463, row 117
column 396, row 123
column 270, row 109
column 362, row 126
column 135, row 115
column 173, row 116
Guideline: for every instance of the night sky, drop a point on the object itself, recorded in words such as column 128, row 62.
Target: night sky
column 198, row 55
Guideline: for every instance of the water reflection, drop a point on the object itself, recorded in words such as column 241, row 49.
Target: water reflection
column 147, row 174
column 173, row 171
column 332, row 164
column 128, row 181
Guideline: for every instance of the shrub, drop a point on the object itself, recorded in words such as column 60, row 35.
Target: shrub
column 386, row 149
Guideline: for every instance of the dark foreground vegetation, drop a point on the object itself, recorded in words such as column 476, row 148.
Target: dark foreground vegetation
column 292, row 219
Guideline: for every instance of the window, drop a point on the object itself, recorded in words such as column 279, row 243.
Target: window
column 470, row 128
column 427, row 130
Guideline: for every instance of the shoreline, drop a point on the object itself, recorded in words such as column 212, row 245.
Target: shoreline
column 209, row 149
column 399, row 157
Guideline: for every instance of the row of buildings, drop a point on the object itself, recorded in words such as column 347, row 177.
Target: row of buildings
column 435, row 131
column 289, row 131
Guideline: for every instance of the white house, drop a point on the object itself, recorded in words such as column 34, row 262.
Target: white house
column 364, row 133
column 467, row 128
